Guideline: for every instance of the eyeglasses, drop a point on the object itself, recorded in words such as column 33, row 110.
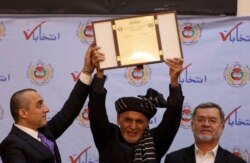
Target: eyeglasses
column 211, row 121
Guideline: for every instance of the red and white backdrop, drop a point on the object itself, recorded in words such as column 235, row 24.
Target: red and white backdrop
column 46, row 53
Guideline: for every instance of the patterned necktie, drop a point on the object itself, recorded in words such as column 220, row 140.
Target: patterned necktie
column 48, row 143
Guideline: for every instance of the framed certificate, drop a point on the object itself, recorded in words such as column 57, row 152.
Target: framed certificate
column 138, row 40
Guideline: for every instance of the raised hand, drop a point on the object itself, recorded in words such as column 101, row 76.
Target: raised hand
column 175, row 69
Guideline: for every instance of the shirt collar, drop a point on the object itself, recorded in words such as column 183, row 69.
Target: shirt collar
column 214, row 150
column 29, row 131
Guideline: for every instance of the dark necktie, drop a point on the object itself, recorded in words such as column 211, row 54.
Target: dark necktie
column 48, row 143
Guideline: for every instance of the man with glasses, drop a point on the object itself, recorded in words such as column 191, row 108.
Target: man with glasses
column 207, row 127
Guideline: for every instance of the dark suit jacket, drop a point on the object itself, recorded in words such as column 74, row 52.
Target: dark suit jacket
column 186, row 155
column 111, row 145
column 19, row 147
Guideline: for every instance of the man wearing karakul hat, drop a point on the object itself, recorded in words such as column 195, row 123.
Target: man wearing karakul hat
column 131, row 141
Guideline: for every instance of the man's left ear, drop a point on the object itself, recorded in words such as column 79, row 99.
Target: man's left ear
column 22, row 113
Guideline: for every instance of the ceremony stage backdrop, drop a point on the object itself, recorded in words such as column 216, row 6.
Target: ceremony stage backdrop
column 46, row 53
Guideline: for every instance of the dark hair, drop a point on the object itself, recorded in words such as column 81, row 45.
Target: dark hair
column 209, row 105
column 17, row 101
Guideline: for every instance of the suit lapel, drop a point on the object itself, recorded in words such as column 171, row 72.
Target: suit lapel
column 189, row 156
column 37, row 146
column 220, row 156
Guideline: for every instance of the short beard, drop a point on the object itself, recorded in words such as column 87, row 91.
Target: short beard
column 204, row 138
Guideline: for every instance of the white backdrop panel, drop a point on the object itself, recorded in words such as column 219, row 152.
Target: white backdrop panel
column 216, row 54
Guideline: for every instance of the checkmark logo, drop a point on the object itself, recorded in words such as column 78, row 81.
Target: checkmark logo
column 75, row 76
column 186, row 67
column 228, row 116
column 224, row 36
column 29, row 34
column 77, row 158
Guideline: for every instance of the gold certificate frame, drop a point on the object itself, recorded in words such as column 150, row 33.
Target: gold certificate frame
column 138, row 40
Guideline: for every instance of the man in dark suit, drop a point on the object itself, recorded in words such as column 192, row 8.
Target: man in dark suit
column 131, row 140
column 23, row 144
column 207, row 127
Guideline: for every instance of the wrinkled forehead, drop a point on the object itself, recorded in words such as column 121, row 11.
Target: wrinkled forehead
column 132, row 114
column 208, row 112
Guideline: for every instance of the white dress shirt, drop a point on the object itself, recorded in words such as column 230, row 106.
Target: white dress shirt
column 29, row 131
column 208, row 157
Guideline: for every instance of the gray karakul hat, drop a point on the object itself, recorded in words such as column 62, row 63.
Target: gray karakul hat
column 143, row 106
